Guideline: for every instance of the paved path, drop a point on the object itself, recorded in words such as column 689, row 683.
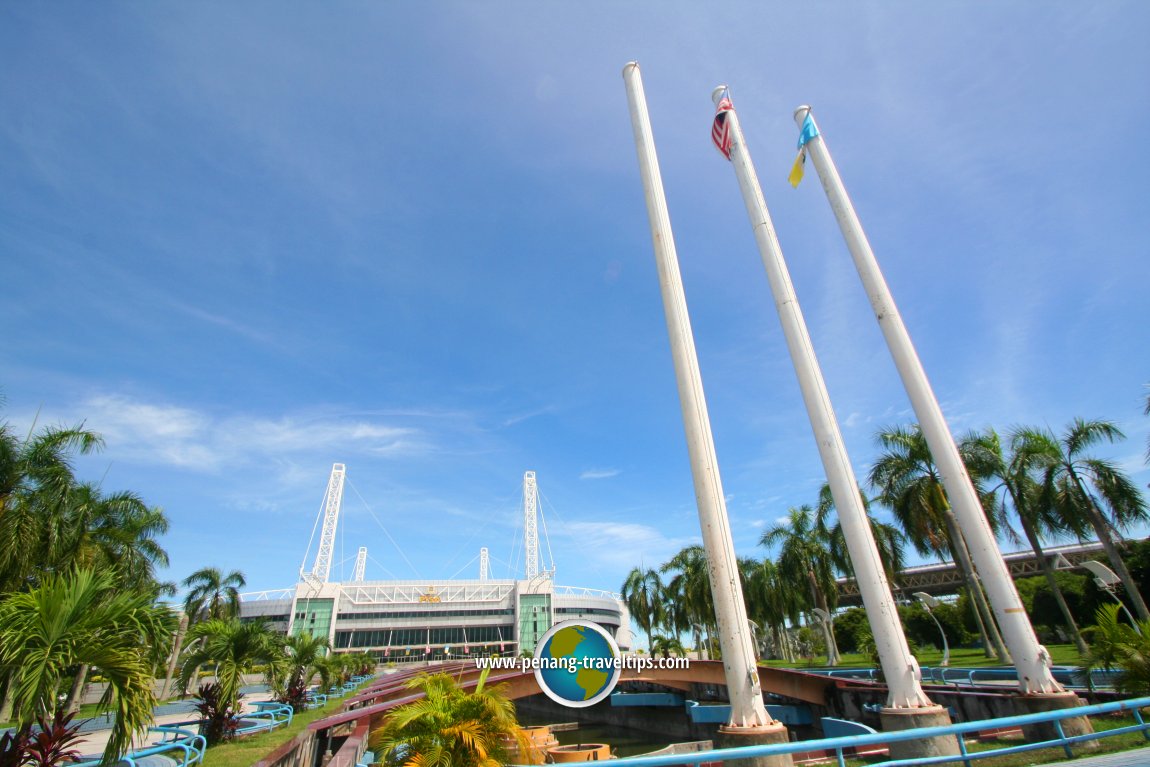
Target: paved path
column 97, row 729
column 1139, row 757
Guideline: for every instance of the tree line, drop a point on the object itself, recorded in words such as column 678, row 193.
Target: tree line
column 1034, row 485
column 80, row 599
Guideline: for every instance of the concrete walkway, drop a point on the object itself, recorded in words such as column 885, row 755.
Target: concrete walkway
column 1139, row 757
column 95, row 731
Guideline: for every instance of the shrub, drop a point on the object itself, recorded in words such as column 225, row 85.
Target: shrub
column 218, row 721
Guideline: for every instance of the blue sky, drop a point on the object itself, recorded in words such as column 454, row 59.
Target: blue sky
column 244, row 241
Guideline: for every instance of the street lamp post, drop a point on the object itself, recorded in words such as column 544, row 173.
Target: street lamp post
column 699, row 629
column 828, row 635
column 1107, row 580
column 929, row 602
column 755, row 635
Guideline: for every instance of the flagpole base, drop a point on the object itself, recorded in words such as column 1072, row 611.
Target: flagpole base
column 1071, row 725
column 732, row 736
column 898, row 719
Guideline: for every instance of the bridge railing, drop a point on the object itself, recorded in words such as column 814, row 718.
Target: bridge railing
column 839, row 745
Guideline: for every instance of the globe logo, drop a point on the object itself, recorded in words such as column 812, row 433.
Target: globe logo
column 577, row 663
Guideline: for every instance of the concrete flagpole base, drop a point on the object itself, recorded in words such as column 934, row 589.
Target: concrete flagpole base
column 898, row 719
column 731, row 736
column 1055, row 701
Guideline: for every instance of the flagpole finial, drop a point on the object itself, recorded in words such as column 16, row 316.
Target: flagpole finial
column 629, row 65
column 801, row 113
column 717, row 94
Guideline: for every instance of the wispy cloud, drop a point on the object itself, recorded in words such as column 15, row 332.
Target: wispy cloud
column 174, row 435
column 227, row 323
column 521, row 417
column 599, row 474
column 619, row 546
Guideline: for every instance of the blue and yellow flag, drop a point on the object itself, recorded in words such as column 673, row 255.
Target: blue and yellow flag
column 809, row 131
column 797, row 169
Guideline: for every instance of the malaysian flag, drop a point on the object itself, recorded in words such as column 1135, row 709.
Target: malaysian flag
column 720, row 129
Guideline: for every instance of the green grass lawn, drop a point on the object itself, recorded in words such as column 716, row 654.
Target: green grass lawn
column 244, row 752
column 1062, row 655
column 1115, row 744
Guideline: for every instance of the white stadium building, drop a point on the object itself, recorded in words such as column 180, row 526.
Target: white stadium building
column 405, row 620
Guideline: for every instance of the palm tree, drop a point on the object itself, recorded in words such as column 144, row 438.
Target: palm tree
column 213, row 594
column 1031, row 450
column 888, row 538
column 1118, row 645
column 235, row 648
column 83, row 617
column 690, row 590
column 330, row 671
column 642, row 592
column 805, row 563
column 116, row 531
column 909, row 484
column 35, row 480
column 303, row 653
column 1146, row 411
column 1090, row 492
column 449, row 727
column 667, row 646
column 770, row 603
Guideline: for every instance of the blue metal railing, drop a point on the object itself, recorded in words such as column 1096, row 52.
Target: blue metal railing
column 185, row 744
column 267, row 716
column 841, row 744
column 1068, row 676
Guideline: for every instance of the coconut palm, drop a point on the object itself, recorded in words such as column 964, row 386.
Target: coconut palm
column 1093, row 493
column 1146, row 411
column 805, row 564
column 213, row 594
column 449, row 727
column 642, row 592
column 690, row 590
column 909, row 484
column 114, row 531
column 770, row 603
column 1031, row 451
column 35, row 480
column 888, row 538
column 235, row 648
column 83, row 617
column 106, row 529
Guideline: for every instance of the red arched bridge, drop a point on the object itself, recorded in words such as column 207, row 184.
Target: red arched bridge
column 393, row 689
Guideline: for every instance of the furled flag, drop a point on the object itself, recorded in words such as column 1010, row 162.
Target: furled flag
column 809, row 131
column 720, row 130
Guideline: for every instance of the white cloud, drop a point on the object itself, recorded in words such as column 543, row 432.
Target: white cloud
column 599, row 474
column 174, row 435
column 619, row 546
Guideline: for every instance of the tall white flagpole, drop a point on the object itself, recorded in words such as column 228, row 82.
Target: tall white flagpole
column 1030, row 658
column 900, row 668
column 748, row 713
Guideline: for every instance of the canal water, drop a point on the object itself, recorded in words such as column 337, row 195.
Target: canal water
column 624, row 741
